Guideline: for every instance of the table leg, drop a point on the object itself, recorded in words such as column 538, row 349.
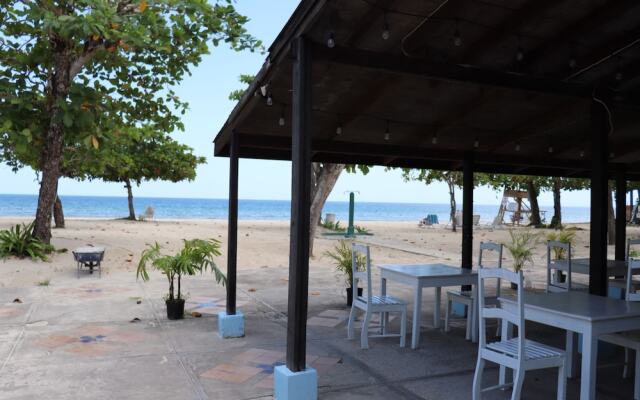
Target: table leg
column 476, row 314
column 417, row 311
column 436, row 309
column 384, row 317
column 589, row 358
column 572, row 353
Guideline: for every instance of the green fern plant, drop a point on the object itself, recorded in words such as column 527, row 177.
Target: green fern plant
column 521, row 247
column 196, row 256
column 341, row 255
column 19, row 241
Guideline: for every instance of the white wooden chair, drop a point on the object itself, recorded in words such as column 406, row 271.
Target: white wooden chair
column 468, row 299
column 372, row 304
column 556, row 266
column 621, row 283
column 518, row 354
column 629, row 340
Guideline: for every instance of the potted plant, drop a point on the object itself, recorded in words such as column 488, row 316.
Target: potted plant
column 341, row 254
column 521, row 248
column 196, row 256
column 563, row 236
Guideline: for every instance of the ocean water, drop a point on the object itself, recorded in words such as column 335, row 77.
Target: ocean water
column 177, row 208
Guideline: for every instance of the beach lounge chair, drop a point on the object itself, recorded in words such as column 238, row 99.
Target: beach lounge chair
column 148, row 214
column 373, row 304
column 519, row 353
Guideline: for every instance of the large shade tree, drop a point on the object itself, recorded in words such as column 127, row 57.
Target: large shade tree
column 76, row 71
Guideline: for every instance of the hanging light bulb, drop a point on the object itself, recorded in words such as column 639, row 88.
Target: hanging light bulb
column 434, row 140
column 387, row 134
column 457, row 39
column 581, row 153
column 339, row 130
column 386, row 33
column 331, row 41
column 269, row 100
column 572, row 63
column 281, row 121
column 520, row 54
column 550, row 149
column 517, row 146
column 476, row 144
column 618, row 75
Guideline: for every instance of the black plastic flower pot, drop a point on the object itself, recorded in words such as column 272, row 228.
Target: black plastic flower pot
column 350, row 295
column 175, row 308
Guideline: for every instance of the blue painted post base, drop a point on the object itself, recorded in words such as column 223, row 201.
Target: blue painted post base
column 230, row 326
column 289, row 385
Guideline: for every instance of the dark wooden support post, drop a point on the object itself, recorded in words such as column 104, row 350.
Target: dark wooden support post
column 599, row 202
column 621, row 214
column 300, row 207
column 467, row 213
column 232, row 236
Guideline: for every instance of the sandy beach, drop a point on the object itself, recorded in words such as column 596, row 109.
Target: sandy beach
column 263, row 245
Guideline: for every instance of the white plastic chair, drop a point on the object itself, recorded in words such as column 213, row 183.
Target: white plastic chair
column 556, row 266
column 621, row 283
column 629, row 340
column 372, row 304
column 517, row 353
column 468, row 299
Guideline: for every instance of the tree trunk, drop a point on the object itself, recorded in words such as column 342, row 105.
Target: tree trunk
column 132, row 210
column 556, row 221
column 58, row 213
column 324, row 179
column 51, row 156
column 452, row 202
column 534, row 219
column 611, row 221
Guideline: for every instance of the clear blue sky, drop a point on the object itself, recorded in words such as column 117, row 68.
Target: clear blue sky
column 206, row 91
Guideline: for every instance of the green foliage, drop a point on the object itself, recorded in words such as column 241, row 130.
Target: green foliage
column 521, row 247
column 333, row 226
column 245, row 79
column 18, row 241
column 341, row 254
column 196, row 256
column 123, row 60
column 563, row 236
column 361, row 229
column 44, row 282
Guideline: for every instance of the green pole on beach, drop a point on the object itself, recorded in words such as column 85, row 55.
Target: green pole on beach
column 352, row 206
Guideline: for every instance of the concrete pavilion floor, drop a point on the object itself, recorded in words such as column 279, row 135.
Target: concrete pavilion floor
column 74, row 340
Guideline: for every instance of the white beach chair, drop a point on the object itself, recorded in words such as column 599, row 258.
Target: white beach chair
column 372, row 304
column 556, row 266
column 621, row 283
column 518, row 354
column 467, row 298
column 629, row 340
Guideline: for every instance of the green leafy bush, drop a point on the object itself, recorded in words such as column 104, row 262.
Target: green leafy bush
column 18, row 241
column 333, row 226
column 521, row 247
column 341, row 254
column 196, row 256
column 563, row 236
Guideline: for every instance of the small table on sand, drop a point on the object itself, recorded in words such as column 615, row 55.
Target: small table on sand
column 581, row 266
column 89, row 257
column 420, row 276
column 578, row 312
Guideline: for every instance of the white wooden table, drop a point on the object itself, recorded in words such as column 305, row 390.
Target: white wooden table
column 420, row 276
column 579, row 312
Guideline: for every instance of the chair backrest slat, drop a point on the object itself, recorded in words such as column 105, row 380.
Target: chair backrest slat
column 553, row 263
column 492, row 247
column 633, row 265
column 516, row 319
column 631, row 242
column 357, row 252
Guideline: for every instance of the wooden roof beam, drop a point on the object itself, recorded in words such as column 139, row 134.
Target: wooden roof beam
column 395, row 64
